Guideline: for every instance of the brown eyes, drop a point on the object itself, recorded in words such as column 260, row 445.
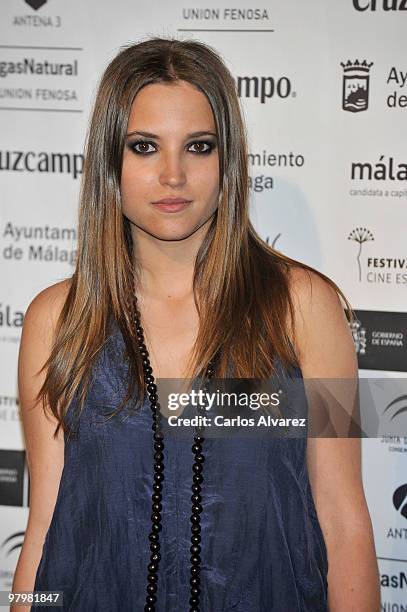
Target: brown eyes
column 140, row 147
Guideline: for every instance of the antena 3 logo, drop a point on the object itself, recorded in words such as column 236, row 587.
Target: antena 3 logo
column 36, row 4
column 36, row 17
column 355, row 86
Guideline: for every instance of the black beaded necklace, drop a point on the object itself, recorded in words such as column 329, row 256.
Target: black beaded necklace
column 197, row 479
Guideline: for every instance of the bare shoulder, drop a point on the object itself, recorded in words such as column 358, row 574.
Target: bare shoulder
column 321, row 332
column 37, row 338
column 312, row 294
column 45, row 307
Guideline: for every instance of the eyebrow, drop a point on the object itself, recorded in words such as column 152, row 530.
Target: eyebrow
column 192, row 135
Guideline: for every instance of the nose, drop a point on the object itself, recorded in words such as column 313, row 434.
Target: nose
column 172, row 171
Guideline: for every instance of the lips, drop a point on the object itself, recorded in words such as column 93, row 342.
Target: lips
column 171, row 204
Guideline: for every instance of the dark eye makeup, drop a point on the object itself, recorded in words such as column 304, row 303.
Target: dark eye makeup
column 134, row 145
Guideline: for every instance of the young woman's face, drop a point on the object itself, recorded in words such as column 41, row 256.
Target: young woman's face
column 171, row 151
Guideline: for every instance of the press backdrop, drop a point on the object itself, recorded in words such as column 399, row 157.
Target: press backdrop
column 323, row 85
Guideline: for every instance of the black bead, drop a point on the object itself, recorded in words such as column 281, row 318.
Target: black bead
column 156, row 497
column 152, row 578
column 153, row 537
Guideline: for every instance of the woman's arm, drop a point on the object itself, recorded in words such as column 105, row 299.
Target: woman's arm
column 326, row 350
column 45, row 456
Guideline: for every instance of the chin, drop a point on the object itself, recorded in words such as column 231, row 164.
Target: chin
column 172, row 235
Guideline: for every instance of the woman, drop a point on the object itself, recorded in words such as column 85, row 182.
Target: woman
column 172, row 281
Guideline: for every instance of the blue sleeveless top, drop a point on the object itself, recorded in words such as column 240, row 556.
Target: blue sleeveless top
column 262, row 545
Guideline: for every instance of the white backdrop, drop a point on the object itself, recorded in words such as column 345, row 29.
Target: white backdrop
column 329, row 185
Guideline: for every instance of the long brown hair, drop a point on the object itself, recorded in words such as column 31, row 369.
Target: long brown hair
column 240, row 284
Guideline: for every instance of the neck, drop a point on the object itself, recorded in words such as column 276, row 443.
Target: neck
column 166, row 267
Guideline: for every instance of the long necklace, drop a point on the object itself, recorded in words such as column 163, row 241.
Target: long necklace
column 156, row 498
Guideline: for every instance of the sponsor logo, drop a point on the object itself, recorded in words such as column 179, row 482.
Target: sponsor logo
column 355, row 86
column 30, row 66
column 9, row 409
column 395, row 444
column 41, row 79
column 265, row 159
column 10, row 317
column 42, row 161
column 387, row 170
column 265, row 88
column 359, row 337
column 360, row 235
column 40, row 243
column 380, row 340
column 400, row 498
column 12, row 543
column 13, row 478
column 36, row 4
column 394, row 581
column 273, row 244
column 395, row 408
column 377, row 269
column 383, row 5
column 37, row 20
